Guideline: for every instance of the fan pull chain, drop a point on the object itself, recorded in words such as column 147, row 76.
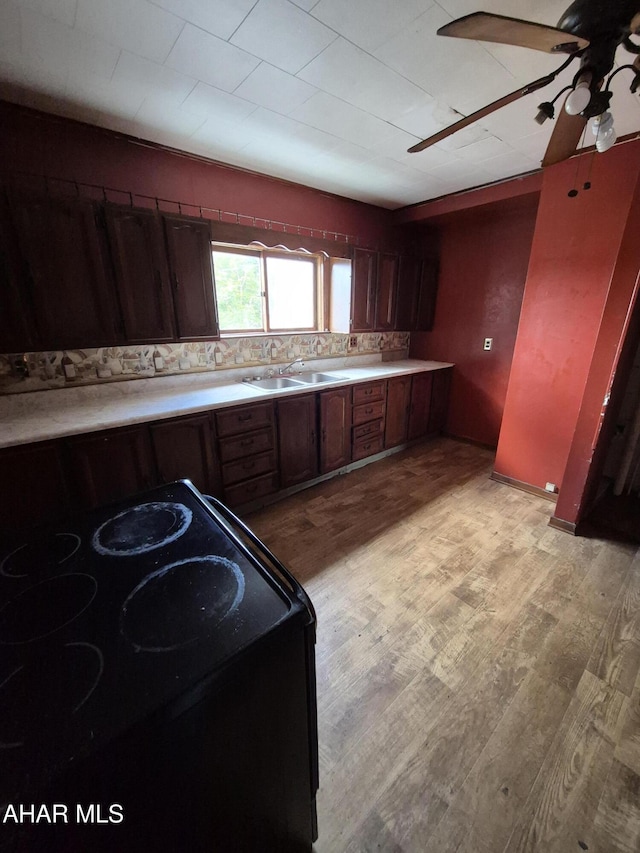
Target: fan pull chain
column 574, row 192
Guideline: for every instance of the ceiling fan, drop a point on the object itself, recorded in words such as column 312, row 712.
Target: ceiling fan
column 589, row 30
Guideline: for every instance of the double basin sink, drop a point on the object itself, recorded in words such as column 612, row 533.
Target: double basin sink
column 280, row 383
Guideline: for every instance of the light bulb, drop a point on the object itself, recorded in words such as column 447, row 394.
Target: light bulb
column 604, row 131
column 578, row 100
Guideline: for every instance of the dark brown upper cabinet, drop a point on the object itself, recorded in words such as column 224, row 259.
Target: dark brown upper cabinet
column 416, row 294
column 364, row 274
column 191, row 270
column 67, row 282
column 142, row 275
column 374, row 284
column 17, row 327
column 385, row 298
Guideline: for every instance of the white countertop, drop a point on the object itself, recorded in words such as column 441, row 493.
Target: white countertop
column 45, row 415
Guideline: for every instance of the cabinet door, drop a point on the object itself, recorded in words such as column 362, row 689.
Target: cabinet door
column 110, row 465
column 385, row 302
column 440, row 399
column 63, row 243
column 420, row 405
column 142, row 275
column 183, row 448
column 397, row 419
column 191, row 266
column 427, row 292
column 335, row 426
column 17, row 329
column 297, row 439
column 409, row 271
column 34, row 488
column 363, row 283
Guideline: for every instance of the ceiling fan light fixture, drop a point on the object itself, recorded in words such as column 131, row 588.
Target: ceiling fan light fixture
column 579, row 99
column 545, row 110
column 604, row 131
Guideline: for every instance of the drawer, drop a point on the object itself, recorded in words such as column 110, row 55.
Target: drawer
column 367, row 446
column 370, row 429
column 368, row 412
column 245, row 445
column 251, row 490
column 244, row 418
column 368, row 392
column 250, row 466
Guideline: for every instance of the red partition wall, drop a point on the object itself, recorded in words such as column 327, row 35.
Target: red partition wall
column 484, row 254
column 58, row 148
column 575, row 248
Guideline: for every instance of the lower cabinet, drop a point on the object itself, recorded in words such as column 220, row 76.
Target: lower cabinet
column 335, row 429
column 108, row 466
column 369, row 401
column 420, row 407
column 397, row 418
column 247, row 452
column 184, row 448
column 34, row 486
column 297, row 441
column 440, row 399
column 317, row 433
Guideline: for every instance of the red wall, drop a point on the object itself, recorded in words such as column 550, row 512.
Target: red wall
column 575, row 247
column 58, row 148
column 483, row 264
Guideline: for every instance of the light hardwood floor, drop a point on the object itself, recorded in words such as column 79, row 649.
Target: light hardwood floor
column 478, row 671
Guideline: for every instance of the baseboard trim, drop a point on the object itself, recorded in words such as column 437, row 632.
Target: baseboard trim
column 523, row 487
column 565, row 526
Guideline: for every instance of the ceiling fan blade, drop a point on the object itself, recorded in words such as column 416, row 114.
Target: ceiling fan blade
column 565, row 137
column 485, row 111
column 483, row 26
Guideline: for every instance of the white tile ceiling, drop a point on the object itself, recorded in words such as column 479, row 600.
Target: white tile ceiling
column 328, row 93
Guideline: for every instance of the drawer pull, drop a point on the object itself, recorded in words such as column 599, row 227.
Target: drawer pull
column 246, row 442
column 249, row 465
column 366, row 446
column 242, row 418
column 368, row 392
column 368, row 411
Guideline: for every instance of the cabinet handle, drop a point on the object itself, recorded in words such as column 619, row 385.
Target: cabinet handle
column 368, row 392
column 176, row 282
column 324, row 434
column 158, row 280
column 242, row 418
column 249, row 465
column 247, row 442
column 368, row 411
column 367, row 446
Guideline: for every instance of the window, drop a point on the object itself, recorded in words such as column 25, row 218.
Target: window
column 266, row 290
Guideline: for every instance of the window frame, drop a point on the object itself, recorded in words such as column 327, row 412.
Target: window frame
column 262, row 253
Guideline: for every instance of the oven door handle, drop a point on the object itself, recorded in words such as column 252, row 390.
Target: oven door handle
column 234, row 521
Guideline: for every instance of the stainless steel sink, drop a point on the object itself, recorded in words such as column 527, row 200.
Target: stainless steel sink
column 273, row 383
column 313, row 378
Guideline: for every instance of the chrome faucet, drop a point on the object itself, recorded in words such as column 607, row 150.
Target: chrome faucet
column 288, row 367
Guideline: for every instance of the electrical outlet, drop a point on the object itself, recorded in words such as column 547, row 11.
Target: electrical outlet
column 551, row 487
column 488, row 343
column 353, row 342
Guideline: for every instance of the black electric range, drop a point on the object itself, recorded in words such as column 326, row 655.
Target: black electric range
column 157, row 684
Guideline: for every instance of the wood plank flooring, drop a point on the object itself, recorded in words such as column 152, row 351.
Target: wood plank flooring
column 478, row 671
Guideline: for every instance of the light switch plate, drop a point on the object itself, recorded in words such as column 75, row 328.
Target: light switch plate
column 488, row 343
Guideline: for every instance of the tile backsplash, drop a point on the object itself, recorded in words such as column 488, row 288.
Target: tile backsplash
column 109, row 364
